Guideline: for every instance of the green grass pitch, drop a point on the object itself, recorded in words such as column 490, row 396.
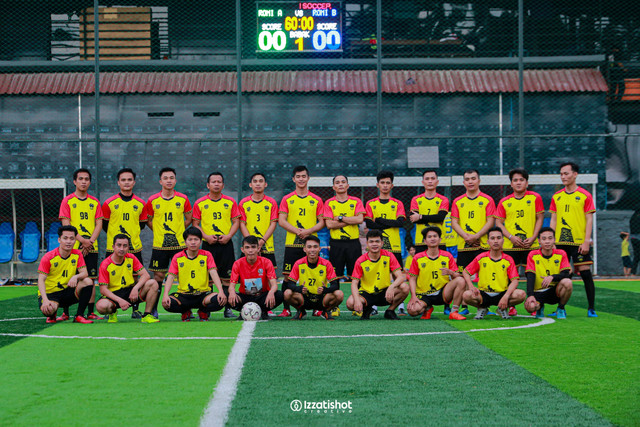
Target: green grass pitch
column 576, row 372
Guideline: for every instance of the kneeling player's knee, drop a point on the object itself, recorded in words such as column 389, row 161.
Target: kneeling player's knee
column 339, row 295
column 49, row 310
column 518, row 296
column 467, row 296
column 350, row 303
column 104, row 306
column 404, row 288
column 566, row 283
column 152, row 285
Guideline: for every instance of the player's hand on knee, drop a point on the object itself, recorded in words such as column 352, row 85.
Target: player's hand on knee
column 166, row 302
column 222, row 298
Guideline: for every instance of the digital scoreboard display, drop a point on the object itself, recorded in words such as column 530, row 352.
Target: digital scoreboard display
column 299, row 27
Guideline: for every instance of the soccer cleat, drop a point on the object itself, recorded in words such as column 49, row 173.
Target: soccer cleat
column 464, row 311
column 93, row 316
column 135, row 314
column 285, row 313
column 447, row 310
column 427, row 314
column 154, row 313
column 51, row 320
column 562, row 313
column 513, row 311
column 366, row 313
column 62, row 317
column 552, row 314
column 186, row 316
column 482, row 311
column 540, row 313
column 391, row 314
column 81, row 319
column 325, row 315
column 113, row 318
column 374, row 312
column 335, row 312
column 357, row 313
column 402, row 312
column 454, row 315
column 300, row 314
column 265, row 315
column 317, row 313
column 271, row 313
column 591, row 313
column 228, row 314
column 148, row 318
column 203, row 315
column 503, row 313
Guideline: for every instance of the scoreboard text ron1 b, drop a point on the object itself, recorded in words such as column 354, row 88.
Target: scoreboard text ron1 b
column 299, row 27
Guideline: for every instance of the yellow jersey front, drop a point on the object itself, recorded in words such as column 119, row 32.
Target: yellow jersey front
column 519, row 216
column 430, row 279
column 312, row 277
column 302, row 212
column 59, row 270
column 428, row 206
column 472, row 214
column 374, row 276
column 571, row 210
column 119, row 276
column 192, row 273
column 216, row 216
column 333, row 208
column 82, row 214
column 388, row 209
column 493, row 275
column 167, row 219
column 258, row 216
column 124, row 215
column 544, row 266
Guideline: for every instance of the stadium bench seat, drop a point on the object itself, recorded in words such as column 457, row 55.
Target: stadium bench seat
column 51, row 236
column 30, row 243
column 6, row 242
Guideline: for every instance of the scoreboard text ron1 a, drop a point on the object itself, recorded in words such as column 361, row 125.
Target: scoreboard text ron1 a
column 299, row 27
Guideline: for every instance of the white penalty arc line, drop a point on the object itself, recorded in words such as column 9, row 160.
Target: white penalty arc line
column 217, row 411
column 542, row 322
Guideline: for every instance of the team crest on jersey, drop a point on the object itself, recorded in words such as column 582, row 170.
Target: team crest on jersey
column 557, row 261
column 90, row 205
column 74, row 206
column 182, row 264
column 419, row 202
column 528, row 202
column 312, row 202
column 201, row 263
column 537, row 262
column 177, row 204
column 291, row 201
column 116, row 206
column 73, row 262
column 384, row 263
column 135, row 207
column 226, row 205
column 444, row 263
column 504, row 266
column 113, row 272
column 260, row 271
column 266, row 208
column 302, row 271
column 352, row 206
column 321, row 271
column 248, row 208
column 129, row 265
column 157, row 206
column 462, row 205
column 423, row 265
column 480, row 203
column 437, row 202
column 366, row 269
column 206, row 206
column 508, row 205
column 578, row 198
column 55, row 264
column 484, row 264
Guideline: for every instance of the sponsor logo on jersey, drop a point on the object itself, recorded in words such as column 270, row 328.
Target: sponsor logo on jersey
column 55, row 264
column 302, row 271
column 74, row 206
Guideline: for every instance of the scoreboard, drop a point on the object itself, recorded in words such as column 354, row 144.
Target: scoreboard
column 299, row 26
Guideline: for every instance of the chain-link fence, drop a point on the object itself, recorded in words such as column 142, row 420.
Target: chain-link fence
column 348, row 87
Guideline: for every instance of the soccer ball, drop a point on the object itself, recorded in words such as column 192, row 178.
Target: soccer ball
column 251, row 311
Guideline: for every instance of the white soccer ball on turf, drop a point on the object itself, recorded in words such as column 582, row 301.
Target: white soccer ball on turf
column 251, row 311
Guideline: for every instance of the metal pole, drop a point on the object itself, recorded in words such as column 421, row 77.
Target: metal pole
column 80, row 130
column 239, row 96
column 594, row 232
column 15, row 235
column 42, row 245
column 96, row 60
column 500, row 141
column 379, row 79
column 521, row 81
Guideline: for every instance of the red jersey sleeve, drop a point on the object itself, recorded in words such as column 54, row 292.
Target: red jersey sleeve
column 187, row 205
column 137, row 265
column 81, row 263
column 552, row 207
column 173, row 268
column 270, row 271
column 243, row 213
column 99, row 214
column 274, row 210
column 106, row 211
column 359, row 207
column 331, row 272
column 444, row 204
column 394, row 264
column 414, row 204
column 65, row 210
column 539, row 204
column 454, row 210
column 148, row 208
column 531, row 265
column 319, row 207
column 211, row 264
column 235, row 211
column 491, row 207
column 328, row 212
column 588, row 204
column 500, row 211
column 400, row 212
column 357, row 270
column 294, row 276
column 235, row 273
column 512, row 271
column 284, row 206
column 45, row 263
column 473, row 267
column 453, row 266
column 368, row 211
column 103, row 273
column 564, row 263
column 414, row 270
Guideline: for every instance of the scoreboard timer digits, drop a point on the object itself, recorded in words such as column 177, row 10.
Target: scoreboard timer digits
column 299, row 27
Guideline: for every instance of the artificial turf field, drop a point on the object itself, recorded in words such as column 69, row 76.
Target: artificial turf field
column 579, row 371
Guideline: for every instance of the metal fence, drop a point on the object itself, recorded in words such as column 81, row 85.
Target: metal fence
column 344, row 87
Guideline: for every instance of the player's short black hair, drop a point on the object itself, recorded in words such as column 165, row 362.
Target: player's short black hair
column 410, row 245
column 518, row 171
column 373, row 233
column 192, row 231
column 250, row 241
column 624, row 235
column 344, row 176
column 495, row 228
column 79, row 170
column 428, row 229
column 300, row 168
column 215, row 174
column 67, row 228
column 126, row 170
column 312, row 238
column 167, row 169
column 384, row 174
column 429, row 171
column 545, row 229
column 258, row 174
column 574, row 166
column 471, row 171
column 121, row 236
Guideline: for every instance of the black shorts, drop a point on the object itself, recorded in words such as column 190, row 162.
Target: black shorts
column 135, row 254
column 121, row 293
column 626, row 262
column 434, row 299
column 64, row 298
column 91, row 261
column 465, row 257
column 488, row 300
column 422, row 247
column 519, row 257
column 375, row 299
column 161, row 259
column 190, row 300
column 313, row 302
column 574, row 256
column 344, row 253
column 224, row 257
column 547, row 297
column 291, row 255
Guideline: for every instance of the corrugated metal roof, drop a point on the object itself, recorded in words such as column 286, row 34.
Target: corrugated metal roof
column 349, row 81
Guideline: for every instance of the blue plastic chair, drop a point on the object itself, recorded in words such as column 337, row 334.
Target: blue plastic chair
column 403, row 243
column 324, row 236
column 30, row 243
column 6, row 242
column 51, row 236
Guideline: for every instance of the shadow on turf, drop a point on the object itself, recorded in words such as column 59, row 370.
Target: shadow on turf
column 26, row 306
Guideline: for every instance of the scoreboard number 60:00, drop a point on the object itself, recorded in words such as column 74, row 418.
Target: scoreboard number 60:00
column 321, row 40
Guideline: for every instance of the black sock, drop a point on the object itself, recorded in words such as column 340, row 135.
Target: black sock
column 146, row 314
column 560, row 306
column 589, row 287
column 83, row 300
column 90, row 306
column 65, row 310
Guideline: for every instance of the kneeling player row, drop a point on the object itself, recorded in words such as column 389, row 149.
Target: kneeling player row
column 433, row 280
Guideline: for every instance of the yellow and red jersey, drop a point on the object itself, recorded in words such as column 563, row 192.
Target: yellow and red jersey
column 427, row 271
column 350, row 207
column 302, row 212
column 82, row 213
column 519, row 216
column 544, row 266
column 125, row 215
column 389, row 209
column 216, row 216
column 493, row 275
column 119, row 276
column 167, row 219
column 59, row 270
column 375, row 276
column 258, row 216
column 472, row 214
column 192, row 273
column 571, row 210
column 312, row 277
column 428, row 206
